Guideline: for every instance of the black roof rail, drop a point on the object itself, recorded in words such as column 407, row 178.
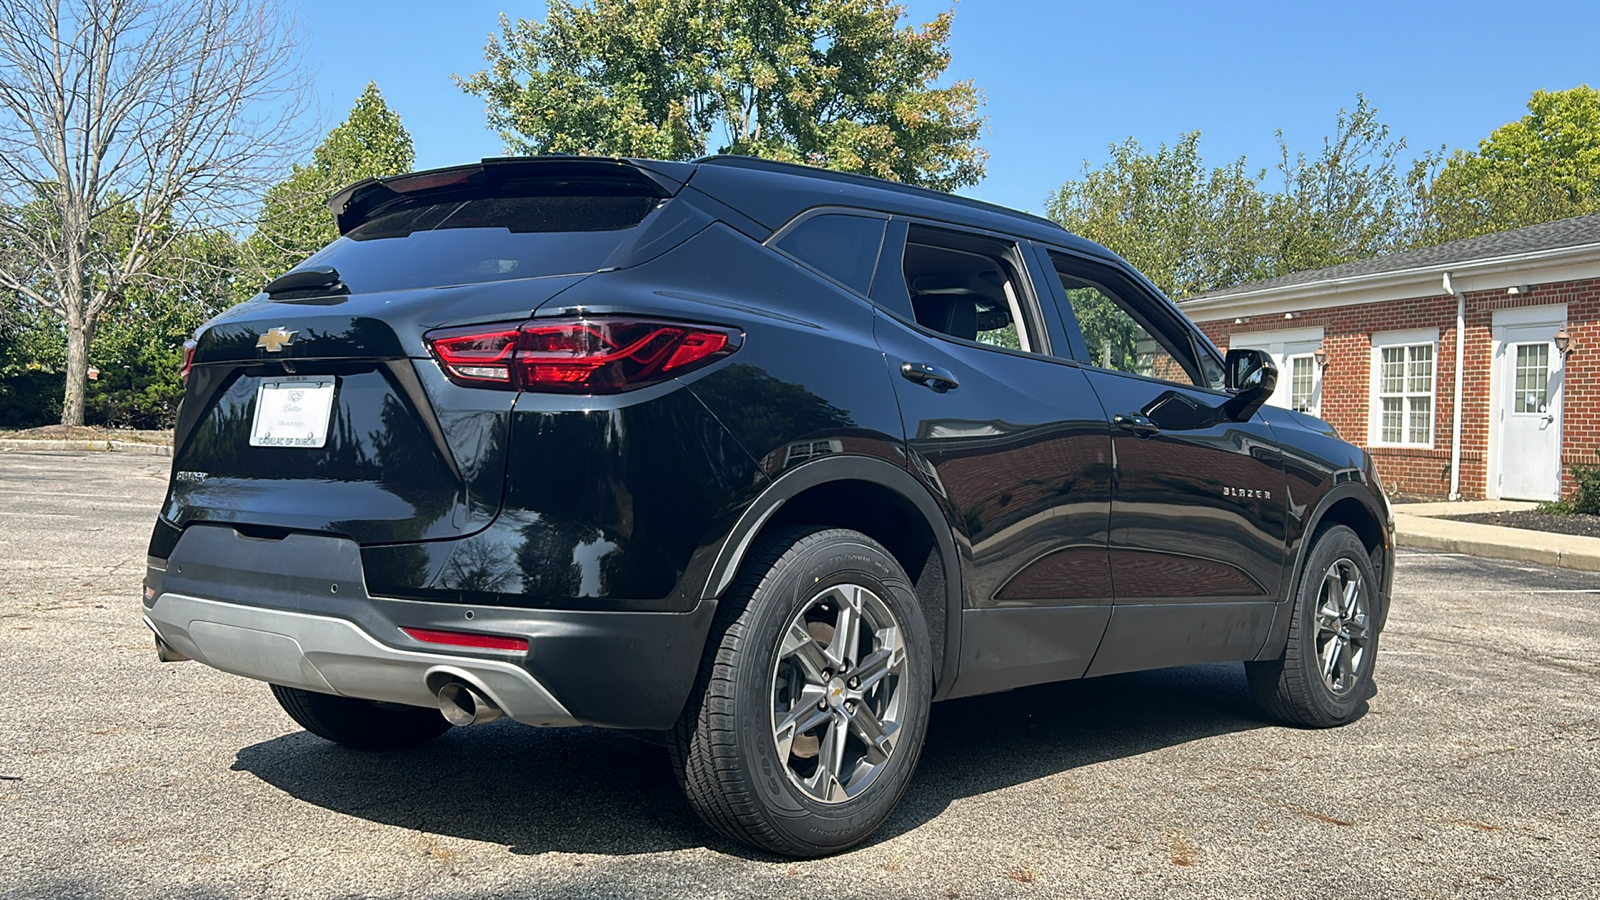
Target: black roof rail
column 759, row 164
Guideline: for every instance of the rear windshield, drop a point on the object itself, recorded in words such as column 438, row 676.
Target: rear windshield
column 483, row 239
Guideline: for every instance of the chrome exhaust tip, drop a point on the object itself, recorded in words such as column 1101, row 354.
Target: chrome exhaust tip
column 462, row 705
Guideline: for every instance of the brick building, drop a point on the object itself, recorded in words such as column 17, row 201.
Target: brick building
column 1372, row 347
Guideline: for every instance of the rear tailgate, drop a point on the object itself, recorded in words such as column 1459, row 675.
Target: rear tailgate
column 348, row 435
column 318, row 408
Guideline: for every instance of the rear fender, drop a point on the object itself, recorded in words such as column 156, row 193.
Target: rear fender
column 850, row 468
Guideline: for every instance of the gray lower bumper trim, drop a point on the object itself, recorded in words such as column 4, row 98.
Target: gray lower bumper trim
column 333, row 656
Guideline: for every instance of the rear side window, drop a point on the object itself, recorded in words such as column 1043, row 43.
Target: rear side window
column 841, row 246
column 476, row 239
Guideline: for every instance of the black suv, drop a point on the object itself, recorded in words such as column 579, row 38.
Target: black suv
column 756, row 458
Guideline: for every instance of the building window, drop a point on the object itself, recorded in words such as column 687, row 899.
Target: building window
column 1302, row 382
column 1405, row 391
column 1533, row 378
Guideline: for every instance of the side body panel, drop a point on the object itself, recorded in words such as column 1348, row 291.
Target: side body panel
column 1197, row 529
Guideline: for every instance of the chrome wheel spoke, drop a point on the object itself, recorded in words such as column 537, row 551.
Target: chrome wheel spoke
column 873, row 733
column 809, row 712
column 876, row 665
column 1330, row 659
column 1346, row 667
column 799, row 644
column 1351, row 598
column 847, row 628
column 827, row 782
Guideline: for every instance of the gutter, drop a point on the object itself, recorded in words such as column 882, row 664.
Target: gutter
column 1455, row 418
column 1197, row 306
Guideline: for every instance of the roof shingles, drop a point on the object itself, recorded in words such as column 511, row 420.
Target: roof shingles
column 1564, row 233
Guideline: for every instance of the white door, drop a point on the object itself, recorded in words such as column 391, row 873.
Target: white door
column 1530, row 414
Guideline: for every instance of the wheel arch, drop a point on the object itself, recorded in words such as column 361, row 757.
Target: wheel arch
column 885, row 503
column 1351, row 504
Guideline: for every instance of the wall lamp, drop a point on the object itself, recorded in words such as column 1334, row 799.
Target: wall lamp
column 1321, row 356
column 1564, row 342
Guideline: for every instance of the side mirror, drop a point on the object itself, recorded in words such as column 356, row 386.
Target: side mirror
column 1252, row 377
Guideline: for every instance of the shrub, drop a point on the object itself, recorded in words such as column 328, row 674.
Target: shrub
column 1585, row 497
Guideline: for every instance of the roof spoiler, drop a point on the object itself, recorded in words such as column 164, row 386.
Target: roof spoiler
column 356, row 203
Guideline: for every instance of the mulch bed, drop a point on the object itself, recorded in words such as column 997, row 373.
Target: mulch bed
column 1587, row 526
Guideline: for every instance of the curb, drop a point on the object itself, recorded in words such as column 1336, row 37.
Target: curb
column 44, row 445
column 1562, row 551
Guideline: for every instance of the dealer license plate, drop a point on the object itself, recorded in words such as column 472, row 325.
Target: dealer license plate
column 293, row 413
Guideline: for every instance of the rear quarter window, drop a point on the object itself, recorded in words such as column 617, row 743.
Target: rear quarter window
column 842, row 246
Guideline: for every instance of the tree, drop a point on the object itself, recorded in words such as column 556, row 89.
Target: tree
column 1542, row 167
column 138, row 346
column 836, row 83
column 295, row 221
column 1192, row 229
column 1185, row 227
column 1347, row 203
column 126, row 125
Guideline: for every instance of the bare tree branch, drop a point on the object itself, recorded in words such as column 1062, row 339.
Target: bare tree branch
column 124, row 125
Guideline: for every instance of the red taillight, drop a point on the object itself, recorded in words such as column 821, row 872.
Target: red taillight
column 469, row 639
column 188, row 361
column 577, row 356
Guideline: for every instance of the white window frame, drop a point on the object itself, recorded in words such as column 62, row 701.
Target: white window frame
column 1390, row 340
column 1313, row 394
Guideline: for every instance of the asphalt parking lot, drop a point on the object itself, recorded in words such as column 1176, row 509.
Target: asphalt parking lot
column 1474, row 774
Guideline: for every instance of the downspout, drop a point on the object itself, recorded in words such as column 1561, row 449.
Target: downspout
column 1455, row 418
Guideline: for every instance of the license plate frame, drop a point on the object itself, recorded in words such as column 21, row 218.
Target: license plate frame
column 293, row 412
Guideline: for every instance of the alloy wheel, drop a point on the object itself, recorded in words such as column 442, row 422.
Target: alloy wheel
column 1342, row 626
column 839, row 690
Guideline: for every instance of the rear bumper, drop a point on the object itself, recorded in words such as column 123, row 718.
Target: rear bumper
column 296, row 612
column 334, row 656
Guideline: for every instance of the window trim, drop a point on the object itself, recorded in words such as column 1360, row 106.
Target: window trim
column 1380, row 341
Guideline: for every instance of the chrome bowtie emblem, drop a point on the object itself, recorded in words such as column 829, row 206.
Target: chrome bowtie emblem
column 276, row 339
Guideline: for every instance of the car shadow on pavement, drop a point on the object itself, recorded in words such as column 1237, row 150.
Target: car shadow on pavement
column 587, row 790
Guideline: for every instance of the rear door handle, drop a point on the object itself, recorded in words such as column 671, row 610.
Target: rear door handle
column 933, row 377
column 1140, row 425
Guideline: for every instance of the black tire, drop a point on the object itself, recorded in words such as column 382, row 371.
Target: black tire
column 1298, row 687
column 753, row 694
column 361, row 724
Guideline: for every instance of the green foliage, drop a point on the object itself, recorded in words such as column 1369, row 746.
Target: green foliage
column 1108, row 332
column 1348, row 202
column 1585, row 497
column 1186, row 227
column 295, row 221
column 1542, row 167
column 32, row 358
column 137, row 345
column 1191, row 228
column 835, row 83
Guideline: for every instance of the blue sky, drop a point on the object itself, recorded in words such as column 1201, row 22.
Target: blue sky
column 1066, row 79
